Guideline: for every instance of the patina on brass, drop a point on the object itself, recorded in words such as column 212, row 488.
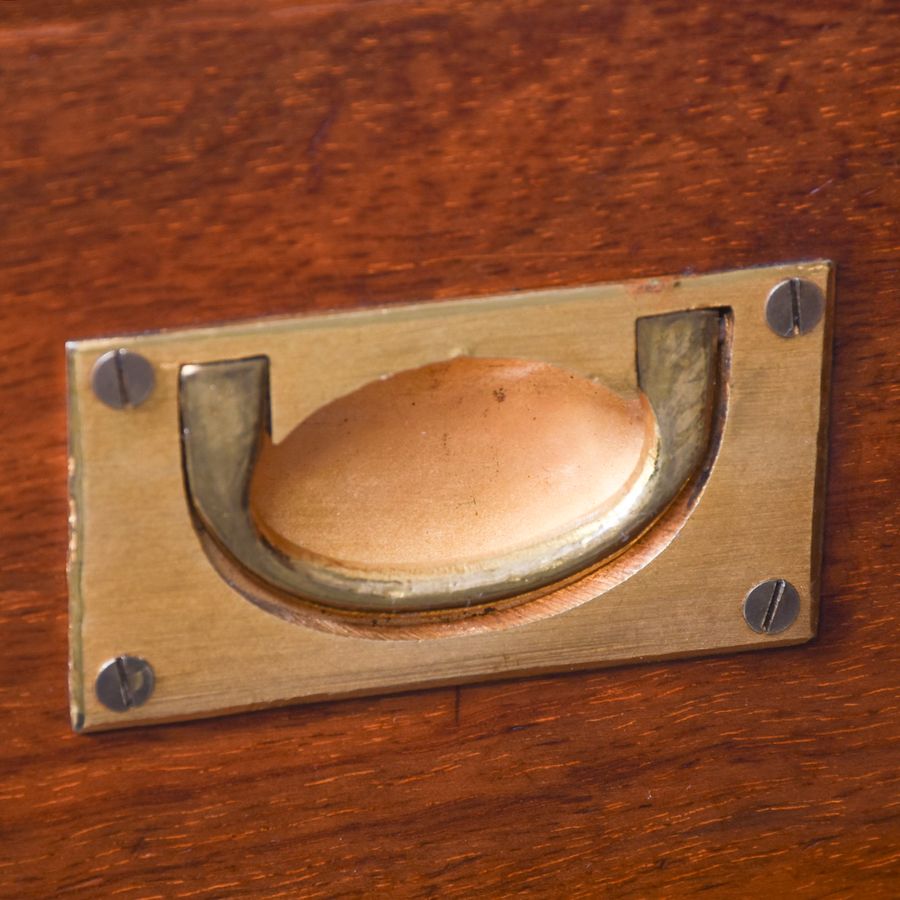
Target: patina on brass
column 225, row 419
column 141, row 585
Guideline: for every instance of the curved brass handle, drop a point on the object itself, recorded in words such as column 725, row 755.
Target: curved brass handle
column 225, row 416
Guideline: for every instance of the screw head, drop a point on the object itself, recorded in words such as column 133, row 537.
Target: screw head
column 124, row 683
column 772, row 607
column 122, row 379
column 794, row 307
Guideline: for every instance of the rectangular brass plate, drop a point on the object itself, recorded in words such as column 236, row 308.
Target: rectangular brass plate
column 141, row 585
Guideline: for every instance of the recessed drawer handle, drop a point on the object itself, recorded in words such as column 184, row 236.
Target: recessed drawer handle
column 327, row 505
column 653, row 444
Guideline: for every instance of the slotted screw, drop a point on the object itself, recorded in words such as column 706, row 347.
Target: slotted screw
column 122, row 379
column 794, row 307
column 772, row 607
column 124, row 683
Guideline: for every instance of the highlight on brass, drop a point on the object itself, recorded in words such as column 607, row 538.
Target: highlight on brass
column 453, row 490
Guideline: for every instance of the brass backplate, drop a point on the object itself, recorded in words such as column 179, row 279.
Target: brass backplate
column 141, row 584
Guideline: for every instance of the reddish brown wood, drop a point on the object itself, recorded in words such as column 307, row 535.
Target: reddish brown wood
column 171, row 163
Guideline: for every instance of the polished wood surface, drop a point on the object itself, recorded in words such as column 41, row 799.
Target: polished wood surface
column 172, row 163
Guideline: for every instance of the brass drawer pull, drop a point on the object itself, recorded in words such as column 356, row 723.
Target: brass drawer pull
column 225, row 414
column 335, row 504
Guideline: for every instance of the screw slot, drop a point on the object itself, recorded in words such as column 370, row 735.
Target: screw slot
column 794, row 307
column 125, row 683
column 122, row 379
column 772, row 607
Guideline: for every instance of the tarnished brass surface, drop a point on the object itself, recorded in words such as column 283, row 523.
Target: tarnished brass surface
column 225, row 416
column 142, row 586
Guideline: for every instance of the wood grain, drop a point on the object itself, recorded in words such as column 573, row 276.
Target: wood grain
column 167, row 164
